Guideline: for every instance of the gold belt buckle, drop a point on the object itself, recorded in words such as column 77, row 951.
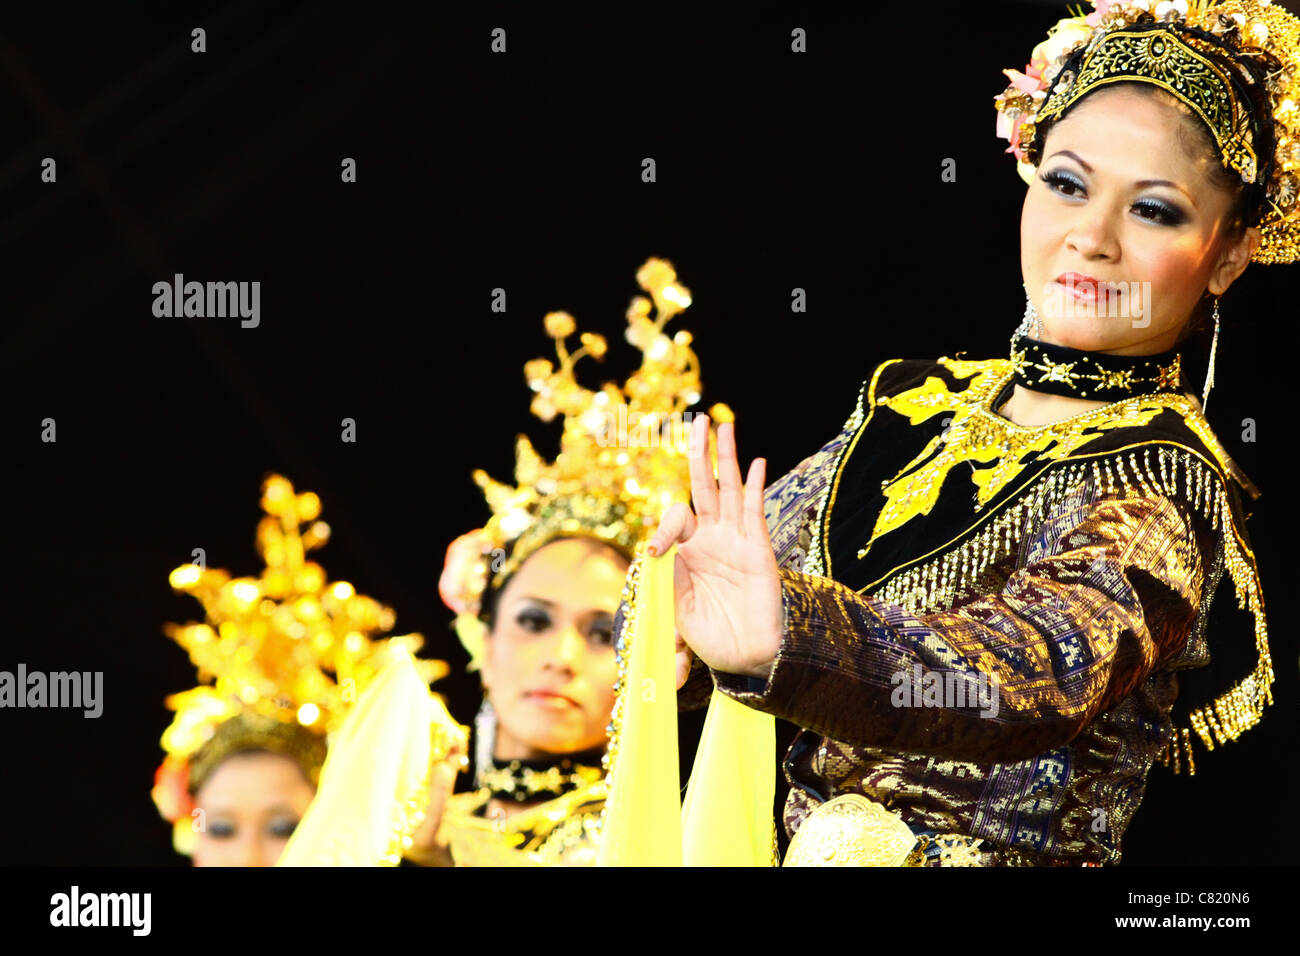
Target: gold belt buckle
column 851, row 830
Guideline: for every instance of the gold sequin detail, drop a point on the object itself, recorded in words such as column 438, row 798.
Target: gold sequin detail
column 979, row 435
column 560, row 832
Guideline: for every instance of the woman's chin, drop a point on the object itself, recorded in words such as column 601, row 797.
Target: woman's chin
column 556, row 740
column 1088, row 333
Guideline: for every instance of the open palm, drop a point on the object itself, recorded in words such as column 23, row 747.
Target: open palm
column 726, row 584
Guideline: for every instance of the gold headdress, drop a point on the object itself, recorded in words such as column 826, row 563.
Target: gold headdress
column 288, row 653
column 1212, row 56
column 622, row 457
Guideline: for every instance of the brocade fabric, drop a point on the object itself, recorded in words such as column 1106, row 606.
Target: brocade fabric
column 1084, row 623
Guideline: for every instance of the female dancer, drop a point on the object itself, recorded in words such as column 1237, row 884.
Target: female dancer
column 977, row 597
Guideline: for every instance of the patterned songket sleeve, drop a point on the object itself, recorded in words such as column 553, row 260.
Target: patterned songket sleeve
column 1106, row 592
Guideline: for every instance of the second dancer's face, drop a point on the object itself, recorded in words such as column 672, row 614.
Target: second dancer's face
column 1095, row 209
column 549, row 667
column 251, row 805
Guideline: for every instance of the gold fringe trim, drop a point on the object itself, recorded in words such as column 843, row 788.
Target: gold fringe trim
column 1150, row 470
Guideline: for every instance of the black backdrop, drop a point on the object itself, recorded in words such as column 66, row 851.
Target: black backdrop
column 476, row 171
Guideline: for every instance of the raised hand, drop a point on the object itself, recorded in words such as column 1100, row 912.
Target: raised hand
column 429, row 844
column 726, row 585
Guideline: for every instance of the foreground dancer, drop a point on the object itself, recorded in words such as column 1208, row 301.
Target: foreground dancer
column 976, row 598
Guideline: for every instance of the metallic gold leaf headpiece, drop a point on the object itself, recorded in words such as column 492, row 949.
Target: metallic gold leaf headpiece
column 1198, row 51
column 623, row 451
column 287, row 653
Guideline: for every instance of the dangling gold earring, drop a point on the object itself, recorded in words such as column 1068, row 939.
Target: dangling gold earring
column 1214, row 347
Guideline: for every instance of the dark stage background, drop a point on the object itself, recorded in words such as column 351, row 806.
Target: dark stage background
column 522, row 170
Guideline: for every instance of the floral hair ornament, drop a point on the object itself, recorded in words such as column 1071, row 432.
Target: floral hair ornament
column 1210, row 56
column 622, row 461
column 287, row 652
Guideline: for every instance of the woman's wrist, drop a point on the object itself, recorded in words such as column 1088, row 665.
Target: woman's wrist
column 762, row 669
column 761, row 666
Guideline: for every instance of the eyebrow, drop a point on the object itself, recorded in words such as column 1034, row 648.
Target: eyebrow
column 1141, row 182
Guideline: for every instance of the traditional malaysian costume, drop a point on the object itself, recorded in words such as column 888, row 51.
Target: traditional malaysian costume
column 934, row 547
column 282, row 657
column 622, row 462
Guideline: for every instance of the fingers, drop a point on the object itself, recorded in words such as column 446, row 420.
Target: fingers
column 678, row 525
column 446, row 769
column 684, row 658
column 723, row 498
column 427, row 844
column 729, row 502
column 755, row 523
column 443, row 782
column 704, row 489
column 458, row 755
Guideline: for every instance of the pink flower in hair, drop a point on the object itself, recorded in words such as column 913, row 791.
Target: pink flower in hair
column 462, row 573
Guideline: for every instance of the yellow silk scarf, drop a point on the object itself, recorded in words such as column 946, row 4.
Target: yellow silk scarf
column 374, row 786
column 727, row 817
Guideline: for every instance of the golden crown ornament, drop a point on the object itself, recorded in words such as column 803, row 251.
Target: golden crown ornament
column 1207, row 54
column 622, row 460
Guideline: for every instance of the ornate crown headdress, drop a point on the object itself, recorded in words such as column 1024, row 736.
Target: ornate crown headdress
column 622, row 457
column 287, row 652
column 1208, row 55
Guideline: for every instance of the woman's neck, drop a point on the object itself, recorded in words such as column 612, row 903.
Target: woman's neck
column 1029, row 408
column 506, row 746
